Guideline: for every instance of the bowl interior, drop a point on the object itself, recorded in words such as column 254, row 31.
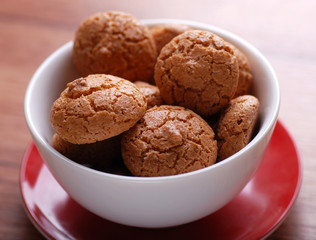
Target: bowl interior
column 57, row 70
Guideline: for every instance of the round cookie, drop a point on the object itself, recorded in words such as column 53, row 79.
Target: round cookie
column 168, row 140
column 236, row 125
column 197, row 70
column 114, row 43
column 151, row 93
column 245, row 77
column 163, row 34
column 100, row 154
column 95, row 108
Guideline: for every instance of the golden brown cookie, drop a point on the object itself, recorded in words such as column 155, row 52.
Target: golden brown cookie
column 236, row 125
column 162, row 34
column 168, row 140
column 96, row 107
column 100, row 154
column 245, row 77
column 151, row 93
column 197, row 70
column 114, row 43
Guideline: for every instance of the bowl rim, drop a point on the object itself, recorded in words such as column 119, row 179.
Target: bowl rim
column 152, row 22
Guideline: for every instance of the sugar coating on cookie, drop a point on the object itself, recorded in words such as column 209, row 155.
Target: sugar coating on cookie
column 96, row 107
column 151, row 93
column 101, row 154
column 197, row 70
column 164, row 33
column 168, row 140
column 114, row 43
column 245, row 76
column 236, row 125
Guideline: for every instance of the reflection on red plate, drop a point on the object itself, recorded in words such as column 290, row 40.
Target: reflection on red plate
column 254, row 213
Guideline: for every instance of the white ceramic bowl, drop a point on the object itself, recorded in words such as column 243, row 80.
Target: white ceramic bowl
column 151, row 201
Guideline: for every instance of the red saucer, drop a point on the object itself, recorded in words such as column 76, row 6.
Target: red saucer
column 259, row 209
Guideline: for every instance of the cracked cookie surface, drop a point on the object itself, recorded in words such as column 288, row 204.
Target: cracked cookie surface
column 114, row 43
column 245, row 78
column 236, row 125
column 151, row 93
column 168, row 140
column 163, row 34
column 95, row 108
column 197, row 70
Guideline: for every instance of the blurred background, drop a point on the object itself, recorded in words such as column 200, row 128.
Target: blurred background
column 283, row 30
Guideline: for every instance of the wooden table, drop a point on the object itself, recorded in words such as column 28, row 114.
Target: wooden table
column 284, row 31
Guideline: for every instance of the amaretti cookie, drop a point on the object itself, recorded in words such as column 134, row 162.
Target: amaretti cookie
column 197, row 70
column 164, row 33
column 95, row 108
column 151, row 93
column 245, row 76
column 114, row 43
column 102, row 154
column 168, row 140
column 236, row 125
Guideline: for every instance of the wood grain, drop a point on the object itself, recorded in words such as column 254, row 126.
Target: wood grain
column 282, row 30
